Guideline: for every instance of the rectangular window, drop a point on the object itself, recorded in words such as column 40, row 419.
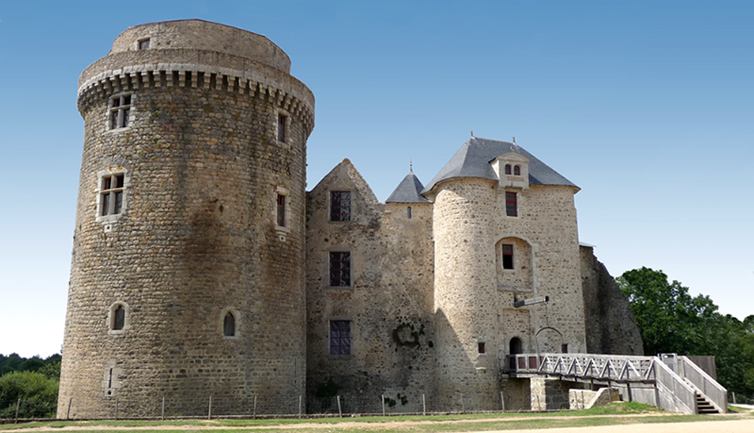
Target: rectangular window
column 340, row 205
column 340, row 337
column 281, row 210
column 144, row 44
column 507, row 256
column 564, row 347
column 340, row 269
column 111, row 194
column 120, row 108
column 480, row 348
column 282, row 120
column 511, row 204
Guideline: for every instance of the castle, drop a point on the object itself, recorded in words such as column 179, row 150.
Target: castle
column 204, row 275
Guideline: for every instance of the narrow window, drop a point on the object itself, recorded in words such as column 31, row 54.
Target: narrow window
column 507, row 256
column 340, row 337
column 144, row 44
column 481, row 348
column 229, row 325
column 564, row 347
column 281, row 210
column 408, row 212
column 507, row 169
column 340, row 269
column 119, row 318
column 517, row 170
column 511, row 204
column 282, row 120
column 111, row 194
column 120, row 108
column 340, row 205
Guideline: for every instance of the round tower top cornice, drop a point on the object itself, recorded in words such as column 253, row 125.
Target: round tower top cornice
column 195, row 34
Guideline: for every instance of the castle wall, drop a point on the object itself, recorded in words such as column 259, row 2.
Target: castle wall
column 196, row 238
column 388, row 302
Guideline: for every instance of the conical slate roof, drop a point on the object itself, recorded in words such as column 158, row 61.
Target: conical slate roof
column 474, row 157
column 408, row 191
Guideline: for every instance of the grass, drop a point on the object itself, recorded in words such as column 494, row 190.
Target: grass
column 611, row 414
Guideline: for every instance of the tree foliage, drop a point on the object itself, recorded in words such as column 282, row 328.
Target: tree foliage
column 29, row 385
column 673, row 321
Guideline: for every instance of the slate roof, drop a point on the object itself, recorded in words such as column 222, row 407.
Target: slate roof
column 473, row 160
column 408, row 191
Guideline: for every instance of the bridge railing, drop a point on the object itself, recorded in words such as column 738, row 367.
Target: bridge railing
column 714, row 392
column 585, row 366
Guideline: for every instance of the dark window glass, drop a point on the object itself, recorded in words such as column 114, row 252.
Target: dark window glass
column 517, row 170
column 340, row 206
column 564, row 347
column 105, row 204
column 118, row 180
column 481, row 348
column 511, row 204
column 340, row 269
column 281, row 210
column 144, row 44
column 408, row 212
column 281, row 127
column 340, row 337
column 229, row 325
column 119, row 111
column 507, row 169
column 111, row 202
column 516, row 346
column 507, row 256
column 119, row 318
column 118, row 202
column 127, row 100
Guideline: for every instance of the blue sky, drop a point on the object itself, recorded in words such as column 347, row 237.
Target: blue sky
column 646, row 105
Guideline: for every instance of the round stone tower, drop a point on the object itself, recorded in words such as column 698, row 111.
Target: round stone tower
column 465, row 304
column 187, row 290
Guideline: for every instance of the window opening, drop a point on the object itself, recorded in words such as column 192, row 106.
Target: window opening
column 282, row 120
column 507, row 169
column 481, row 348
column 511, row 204
column 340, row 205
column 120, row 108
column 408, row 212
column 281, row 210
column 564, row 348
column 111, row 192
column 507, row 256
column 340, row 269
column 516, row 346
column 144, row 44
column 517, row 170
column 340, row 337
column 229, row 325
column 119, row 318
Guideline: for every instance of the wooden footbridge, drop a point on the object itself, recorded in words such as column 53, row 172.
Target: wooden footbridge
column 670, row 382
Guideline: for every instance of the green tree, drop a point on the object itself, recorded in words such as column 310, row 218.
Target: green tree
column 37, row 394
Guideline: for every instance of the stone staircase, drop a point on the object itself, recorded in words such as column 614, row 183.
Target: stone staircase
column 704, row 406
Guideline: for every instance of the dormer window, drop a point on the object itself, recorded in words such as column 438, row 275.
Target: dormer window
column 512, row 169
column 517, row 170
column 507, row 169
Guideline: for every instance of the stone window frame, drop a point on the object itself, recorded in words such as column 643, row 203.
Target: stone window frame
column 330, row 269
column 330, row 206
column 512, row 257
column 515, row 204
column 99, row 192
column 282, row 192
column 143, row 44
column 282, row 126
column 237, row 318
column 111, row 318
column 350, row 338
column 124, row 112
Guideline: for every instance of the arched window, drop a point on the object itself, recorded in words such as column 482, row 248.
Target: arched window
column 507, row 169
column 229, row 325
column 408, row 212
column 119, row 318
column 517, row 170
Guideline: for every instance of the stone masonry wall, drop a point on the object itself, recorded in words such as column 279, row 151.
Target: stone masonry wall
column 388, row 302
column 610, row 325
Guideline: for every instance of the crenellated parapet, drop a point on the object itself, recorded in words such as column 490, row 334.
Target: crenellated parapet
column 296, row 99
